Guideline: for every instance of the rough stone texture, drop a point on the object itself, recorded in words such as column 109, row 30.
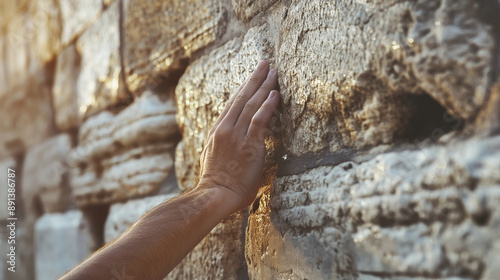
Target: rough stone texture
column 247, row 9
column 44, row 175
column 16, row 51
column 62, row 237
column 123, row 215
column 64, row 93
column 76, row 16
column 347, row 68
column 218, row 256
column 158, row 35
column 425, row 212
column 201, row 95
column 125, row 155
column 100, row 83
column 5, row 164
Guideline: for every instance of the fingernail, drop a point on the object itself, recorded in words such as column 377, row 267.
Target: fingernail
column 261, row 65
column 271, row 73
column 272, row 94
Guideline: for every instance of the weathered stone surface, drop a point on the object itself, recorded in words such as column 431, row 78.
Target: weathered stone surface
column 218, row 256
column 125, row 155
column 100, row 81
column 247, row 9
column 27, row 116
column 123, row 215
column 17, row 53
column 348, row 70
column 64, row 93
column 158, row 35
column 426, row 212
column 45, row 26
column 44, row 176
column 76, row 16
column 62, row 241
column 5, row 164
column 202, row 92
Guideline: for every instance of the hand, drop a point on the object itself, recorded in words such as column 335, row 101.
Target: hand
column 233, row 157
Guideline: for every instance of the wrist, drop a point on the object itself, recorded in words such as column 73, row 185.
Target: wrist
column 222, row 201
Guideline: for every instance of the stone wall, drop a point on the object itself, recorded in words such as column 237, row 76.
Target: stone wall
column 384, row 154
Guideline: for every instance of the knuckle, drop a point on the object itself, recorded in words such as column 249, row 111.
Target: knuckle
column 251, row 106
column 257, row 121
column 221, row 132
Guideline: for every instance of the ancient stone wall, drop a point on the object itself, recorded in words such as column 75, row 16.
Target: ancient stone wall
column 384, row 154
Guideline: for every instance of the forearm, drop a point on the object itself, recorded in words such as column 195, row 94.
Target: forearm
column 154, row 245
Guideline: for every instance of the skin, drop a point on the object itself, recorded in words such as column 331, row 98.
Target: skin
column 232, row 164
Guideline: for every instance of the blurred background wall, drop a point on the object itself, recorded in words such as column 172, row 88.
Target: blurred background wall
column 384, row 155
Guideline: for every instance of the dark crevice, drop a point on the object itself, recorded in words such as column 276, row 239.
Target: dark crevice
column 428, row 119
column 96, row 216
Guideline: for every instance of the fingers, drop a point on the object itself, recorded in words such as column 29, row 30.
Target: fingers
column 254, row 83
column 226, row 108
column 260, row 120
column 257, row 99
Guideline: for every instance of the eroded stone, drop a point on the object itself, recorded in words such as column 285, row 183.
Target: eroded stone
column 62, row 241
column 158, row 35
column 112, row 147
column 76, row 16
column 64, row 93
column 45, row 176
column 347, row 70
column 247, row 9
column 28, row 116
column 44, row 20
column 426, row 211
column 100, row 81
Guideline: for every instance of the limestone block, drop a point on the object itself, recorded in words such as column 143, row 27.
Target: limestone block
column 5, row 164
column 158, row 35
column 247, row 9
column 202, row 92
column 46, row 28
column 17, row 52
column 44, row 176
column 99, row 83
column 76, row 16
column 62, row 241
column 125, row 155
column 123, row 215
column 64, row 93
column 348, row 69
column 27, row 115
column 429, row 211
column 218, row 256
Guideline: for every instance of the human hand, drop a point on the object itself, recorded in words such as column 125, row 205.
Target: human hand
column 233, row 158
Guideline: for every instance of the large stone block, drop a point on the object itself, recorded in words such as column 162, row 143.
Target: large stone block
column 202, row 92
column 76, row 16
column 27, row 116
column 100, row 83
column 428, row 211
column 45, row 26
column 348, row 70
column 218, row 256
column 62, row 241
column 125, row 155
column 45, row 177
column 64, row 92
column 158, row 35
